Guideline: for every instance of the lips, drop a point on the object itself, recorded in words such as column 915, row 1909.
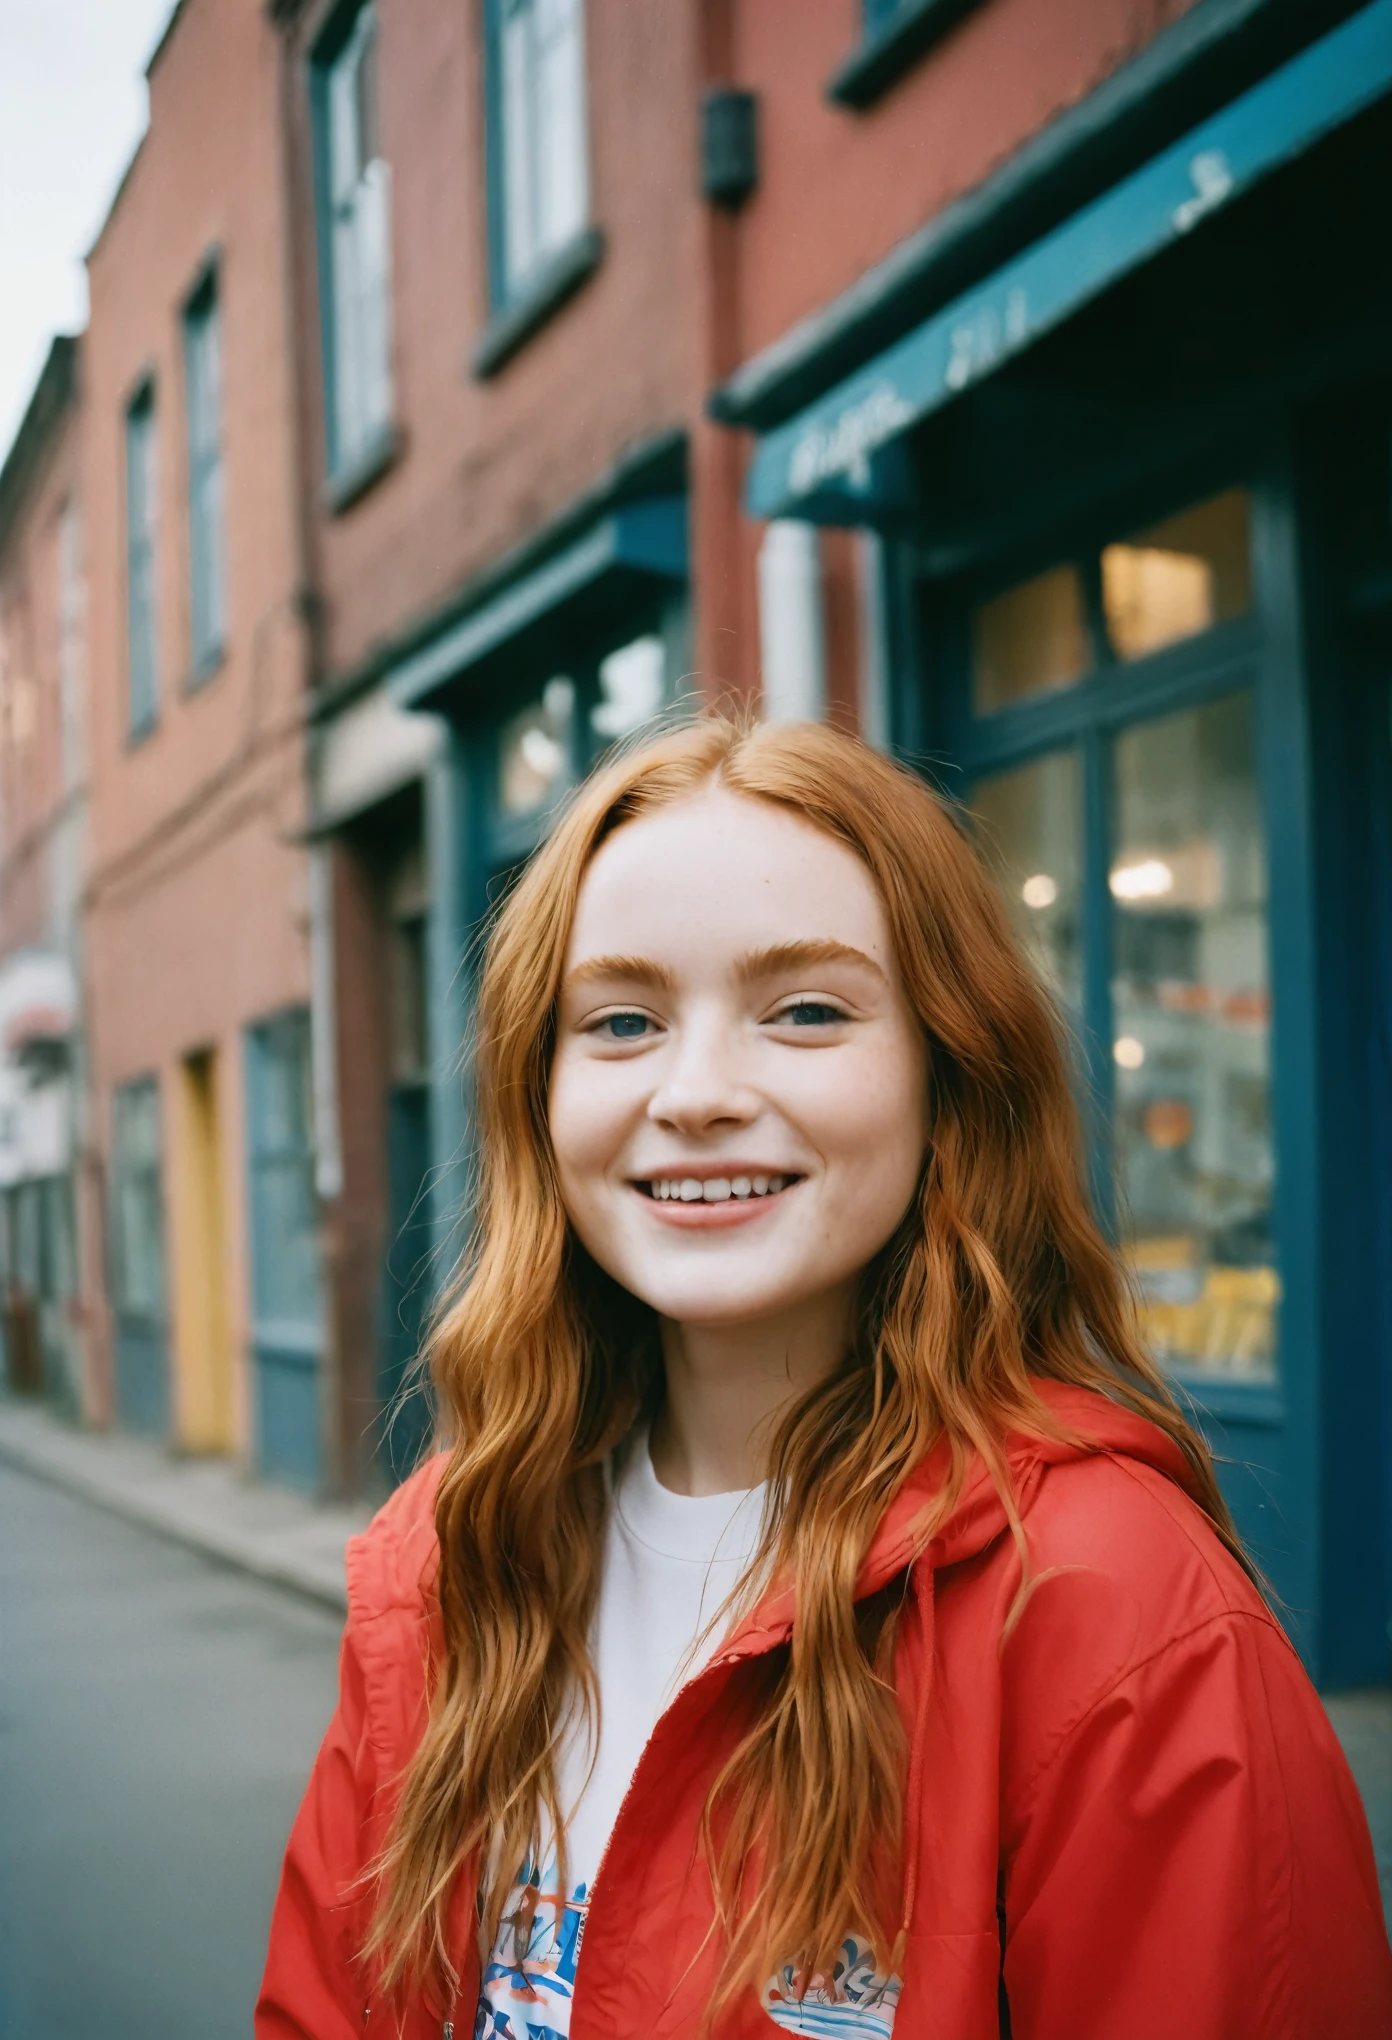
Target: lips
column 741, row 1187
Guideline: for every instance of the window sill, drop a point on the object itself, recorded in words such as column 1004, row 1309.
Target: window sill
column 879, row 63
column 341, row 490
column 512, row 325
column 141, row 733
column 1259, row 1404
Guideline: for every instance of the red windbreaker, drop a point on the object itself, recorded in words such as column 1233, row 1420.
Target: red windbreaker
column 1132, row 1822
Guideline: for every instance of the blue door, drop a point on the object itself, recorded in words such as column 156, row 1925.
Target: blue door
column 137, row 1254
column 286, row 1275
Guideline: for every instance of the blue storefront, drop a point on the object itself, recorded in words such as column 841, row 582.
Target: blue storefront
column 1134, row 510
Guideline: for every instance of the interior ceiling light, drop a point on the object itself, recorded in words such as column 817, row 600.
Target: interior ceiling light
column 1151, row 879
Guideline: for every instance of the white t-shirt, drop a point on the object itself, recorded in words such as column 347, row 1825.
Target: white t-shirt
column 670, row 1561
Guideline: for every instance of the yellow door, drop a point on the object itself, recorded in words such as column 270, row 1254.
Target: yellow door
column 203, row 1352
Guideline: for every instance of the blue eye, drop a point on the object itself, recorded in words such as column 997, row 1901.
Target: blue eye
column 624, row 1026
column 811, row 1013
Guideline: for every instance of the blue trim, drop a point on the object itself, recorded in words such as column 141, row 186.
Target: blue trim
column 644, row 538
column 825, row 453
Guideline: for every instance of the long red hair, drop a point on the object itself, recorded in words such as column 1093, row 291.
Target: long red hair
column 998, row 1274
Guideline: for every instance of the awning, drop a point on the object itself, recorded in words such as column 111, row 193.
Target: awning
column 827, row 463
column 625, row 558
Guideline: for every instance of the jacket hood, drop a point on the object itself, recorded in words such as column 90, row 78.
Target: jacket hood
column 1091, row 1424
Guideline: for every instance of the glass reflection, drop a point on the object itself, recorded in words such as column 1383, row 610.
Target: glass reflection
column 1180, row 577
column 536, row 750
column 1030, row 830
column 632, row 683
column 1191, row 1040
column 1030, row 639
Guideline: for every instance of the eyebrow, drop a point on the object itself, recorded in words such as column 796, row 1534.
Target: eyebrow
column 632, row 969
column 786, row 956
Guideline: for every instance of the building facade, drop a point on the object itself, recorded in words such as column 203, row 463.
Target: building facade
column 50, row 1267
column 1094, row 348
column 1010, row 380
column 200, row 907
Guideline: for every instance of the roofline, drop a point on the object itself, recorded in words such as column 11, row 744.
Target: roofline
column 1215, row 50
column 53, row 396
column 119, row 193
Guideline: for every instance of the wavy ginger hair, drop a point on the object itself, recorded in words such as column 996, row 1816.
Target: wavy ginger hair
column 997, row 1274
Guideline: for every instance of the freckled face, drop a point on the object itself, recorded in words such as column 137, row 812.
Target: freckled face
column 739, row 1089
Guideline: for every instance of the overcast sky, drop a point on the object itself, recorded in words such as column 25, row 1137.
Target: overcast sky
column 72, row 108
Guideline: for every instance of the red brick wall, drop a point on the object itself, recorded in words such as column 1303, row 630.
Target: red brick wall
column 485, row 463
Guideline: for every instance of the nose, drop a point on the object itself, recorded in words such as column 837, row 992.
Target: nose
column 701, row 1090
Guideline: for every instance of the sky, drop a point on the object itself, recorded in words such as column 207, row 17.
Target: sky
column 72, row 108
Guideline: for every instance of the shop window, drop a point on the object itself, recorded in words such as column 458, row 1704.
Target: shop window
column 203, row 400
column 354, row 251
column 1031, row 831
column 539, row 167
column 1127, row 835
column 138, row 1214
column 632, row 687
column 536, row 752
column 141, row 673
column 1031, row 639
column 1191, row 1018
column 1172, row 581
column 1179, row 577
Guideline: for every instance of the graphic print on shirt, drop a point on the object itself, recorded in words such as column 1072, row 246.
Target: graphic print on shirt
column 854, row 2002
column 529, row 1982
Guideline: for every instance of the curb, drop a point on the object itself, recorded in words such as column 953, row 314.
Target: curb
column 243, row 1554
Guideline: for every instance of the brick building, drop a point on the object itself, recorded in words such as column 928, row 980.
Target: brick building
column 1091, row 347
column 1010, row 379
column 199, row 897
column 50, row 1214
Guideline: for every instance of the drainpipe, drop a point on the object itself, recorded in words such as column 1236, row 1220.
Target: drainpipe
column 792, row 629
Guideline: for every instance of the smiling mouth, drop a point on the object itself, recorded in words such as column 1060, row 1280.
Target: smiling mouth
column 714, row 1189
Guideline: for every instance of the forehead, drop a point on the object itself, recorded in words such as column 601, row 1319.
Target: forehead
column 722, row 870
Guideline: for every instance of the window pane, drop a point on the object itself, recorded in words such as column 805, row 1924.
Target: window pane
column 541, row 109
column 1031, row 832
column 203, row 378
column 1192, row 1038
column 632, row 687
column 1180, row 577
column 1030, row 639
column 284, row 1209
column 359, row 231
column 536, row 750
column 140, row 563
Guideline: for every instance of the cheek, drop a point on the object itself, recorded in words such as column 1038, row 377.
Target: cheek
column 587, row 1113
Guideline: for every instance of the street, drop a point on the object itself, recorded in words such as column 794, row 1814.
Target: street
column 158, row 1717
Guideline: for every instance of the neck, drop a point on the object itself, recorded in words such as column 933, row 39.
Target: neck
column 728, row 1385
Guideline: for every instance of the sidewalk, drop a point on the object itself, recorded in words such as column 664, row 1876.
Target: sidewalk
column 295, row 1543
column 205, row 1503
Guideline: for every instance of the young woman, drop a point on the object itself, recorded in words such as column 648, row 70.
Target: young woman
column 821, row 1617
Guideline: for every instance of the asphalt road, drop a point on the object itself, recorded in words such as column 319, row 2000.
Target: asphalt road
column 158, row 1718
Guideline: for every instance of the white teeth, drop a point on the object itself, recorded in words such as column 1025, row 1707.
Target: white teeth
column 714, row 1189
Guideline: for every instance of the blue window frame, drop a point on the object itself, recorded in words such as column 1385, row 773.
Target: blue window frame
column 206, row 511
column 141, row 653
column 286, row 1273
column 538, row 177
column 895, row 34
column 353, row 187
column 1111, row 718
